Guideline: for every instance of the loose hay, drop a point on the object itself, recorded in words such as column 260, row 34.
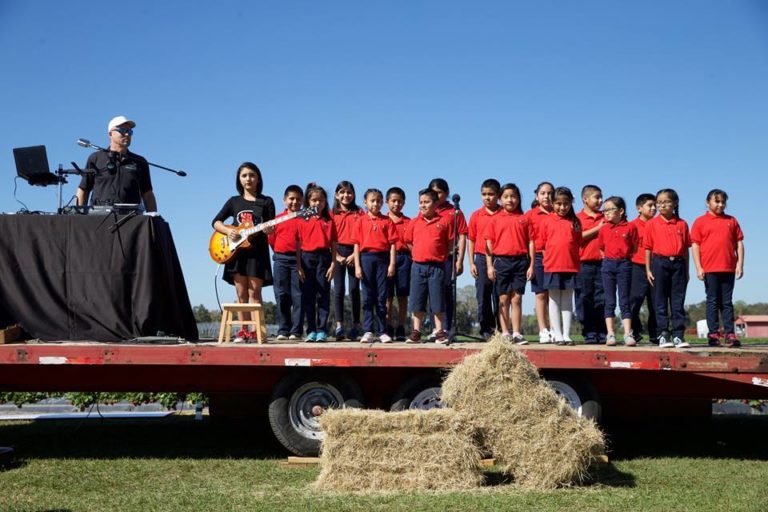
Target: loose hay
column 367, row 450
column 533, row 434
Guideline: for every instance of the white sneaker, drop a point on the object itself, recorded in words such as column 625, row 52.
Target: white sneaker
column 665, row 342
column 281, row 337
column 679, row 343
column 385, row 338
column 545, row 336
column 610, row 340
column 518, row 339
column 294, row 337
column 432, row 336
column 629, row 340
column 367, row 338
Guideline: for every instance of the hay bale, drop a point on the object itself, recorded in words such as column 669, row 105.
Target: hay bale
column 532, row 433
column 368, row 450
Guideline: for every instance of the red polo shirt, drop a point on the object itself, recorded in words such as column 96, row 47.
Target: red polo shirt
column 639, row 255
column 283, row 239
column 374, row 233
column 509, row 233
column 345, row 225
column 590, row 250
column 667, row 237
column 478, row 222
column 400, row 222
column 447, row 211
column 561, row 244
column 716, row 236
column 430, row 238
column 618, row 241
column 536, row 216
column 316, row 233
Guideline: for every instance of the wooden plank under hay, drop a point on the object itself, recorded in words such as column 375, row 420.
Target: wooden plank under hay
column 367, row 450
column 532, row 433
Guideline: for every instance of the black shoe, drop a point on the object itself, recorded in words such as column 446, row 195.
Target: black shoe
column 400, row 333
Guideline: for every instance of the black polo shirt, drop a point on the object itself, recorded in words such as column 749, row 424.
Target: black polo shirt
column 118, row 178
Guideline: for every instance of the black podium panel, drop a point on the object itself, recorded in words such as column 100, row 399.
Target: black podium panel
column 75, row 277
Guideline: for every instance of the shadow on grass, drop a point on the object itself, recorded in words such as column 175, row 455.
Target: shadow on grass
column 722, row 436
column 170, row 437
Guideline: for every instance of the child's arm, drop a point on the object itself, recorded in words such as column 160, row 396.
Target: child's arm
column 472, row 266
column 332, row 266
column 648, row 273
column 460, row 256
column 358, row 266
column 489, row 261
column 531, row 258
column 740, row 259
column 392, row 260
column 231, row 232
column 591, row 233
column 696, row 250
column 299, row 269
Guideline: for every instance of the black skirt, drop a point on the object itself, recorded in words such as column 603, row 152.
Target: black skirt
column 251, row 262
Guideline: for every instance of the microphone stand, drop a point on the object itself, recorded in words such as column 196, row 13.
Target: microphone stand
column 62, row 179
column 454, row 276
column 88, row 144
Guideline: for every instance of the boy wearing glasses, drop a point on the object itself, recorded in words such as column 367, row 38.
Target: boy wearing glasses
column 118, row 176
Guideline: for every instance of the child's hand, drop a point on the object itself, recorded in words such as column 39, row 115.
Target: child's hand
column 459, row 268
column 700, row 274
column 358, row 272
column 350, row 260
column 329, row 272
column 529, row 273
column 234, row 235
column 491, row 273
column 739, row 272
column 341, row 260
column 269, row 230
column 300, row 272
column 473, row 270
column 649, row 276
column 391, row 271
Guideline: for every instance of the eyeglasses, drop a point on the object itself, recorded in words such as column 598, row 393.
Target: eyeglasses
column 608, row 210
column 664, row 203
column 123, row 131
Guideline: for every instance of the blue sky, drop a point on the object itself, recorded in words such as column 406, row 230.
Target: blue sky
column 631, row 96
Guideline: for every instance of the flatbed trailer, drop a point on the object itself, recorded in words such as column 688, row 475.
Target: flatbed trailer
column 298, row 380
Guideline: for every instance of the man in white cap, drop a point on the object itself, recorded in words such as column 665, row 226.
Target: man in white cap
column 119, row 176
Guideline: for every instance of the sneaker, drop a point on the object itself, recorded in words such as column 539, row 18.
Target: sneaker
column 339, row 334
column 311, row 337
column 591, row 339
column 432, row 336
column 545, row 336
column 400, row 333
column 389, row 331
column 610, row 340
column 354, row 333
column 242, row 336
column 518, row 339
column 385, row 338
column 414, row 337
column 506, row 337
column 294, row 337
column 565, row 342
column 713, row 340
column 485, row 335
column 664, row 341
column 680, row 343
column 629, row 340
column 367, row 338
column 321, row 337
column 442, row 338
column 281, row 337
column 731, row 341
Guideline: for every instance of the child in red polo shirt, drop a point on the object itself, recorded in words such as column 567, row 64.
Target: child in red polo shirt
column 618, row 241
column 345, row 213
column 374, row 238
column 315, row 257
column 487, row 299
column 451, row 213
column 562, row 238
column 399, row 285
column 590, row 303
column 666, row 242
column 640, row 290
column 718, row 253
column 509, row 259
column 429, row 236
column 541, row 209
column 284, row 240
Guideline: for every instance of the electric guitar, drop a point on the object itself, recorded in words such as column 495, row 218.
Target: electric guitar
column 222, row 249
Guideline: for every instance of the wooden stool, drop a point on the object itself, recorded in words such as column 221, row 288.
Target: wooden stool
column 228, row 320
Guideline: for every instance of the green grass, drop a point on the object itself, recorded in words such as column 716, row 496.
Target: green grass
column 180, row 464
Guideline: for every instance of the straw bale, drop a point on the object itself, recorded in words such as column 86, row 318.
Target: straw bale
column 367, row 450
column 530, row 431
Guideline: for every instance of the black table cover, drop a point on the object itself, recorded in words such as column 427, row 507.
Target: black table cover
column 70, row 277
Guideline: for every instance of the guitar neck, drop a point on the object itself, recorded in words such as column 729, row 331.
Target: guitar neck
column 274, row 222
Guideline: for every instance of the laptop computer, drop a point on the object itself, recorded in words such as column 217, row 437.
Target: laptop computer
column 32, row 165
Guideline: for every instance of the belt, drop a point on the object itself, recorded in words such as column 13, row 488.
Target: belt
column 670, row 258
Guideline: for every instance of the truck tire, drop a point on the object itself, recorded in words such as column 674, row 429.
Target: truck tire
column 578, row 392
column 299, row 398
column 420, row 392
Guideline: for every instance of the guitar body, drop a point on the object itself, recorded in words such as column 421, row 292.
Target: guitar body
column 222, row 249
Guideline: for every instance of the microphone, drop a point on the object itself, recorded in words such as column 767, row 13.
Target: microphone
column 456, row 198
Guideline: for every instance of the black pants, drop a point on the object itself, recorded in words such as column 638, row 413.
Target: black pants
column 340, row 273
column 719, row 288
column 669, row 285
column 641, row 291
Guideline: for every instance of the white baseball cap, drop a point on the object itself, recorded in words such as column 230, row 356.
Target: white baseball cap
column 119, row 120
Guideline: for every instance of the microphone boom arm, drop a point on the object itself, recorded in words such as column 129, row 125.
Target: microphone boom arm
column 88, row 144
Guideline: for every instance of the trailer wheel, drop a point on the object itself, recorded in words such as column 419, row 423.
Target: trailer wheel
column 419, row 392
column 578, row 392
column 297, row 402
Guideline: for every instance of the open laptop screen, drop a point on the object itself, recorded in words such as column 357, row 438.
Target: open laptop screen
column 32, row 165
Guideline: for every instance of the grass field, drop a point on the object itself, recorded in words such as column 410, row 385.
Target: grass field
column 177, row 463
